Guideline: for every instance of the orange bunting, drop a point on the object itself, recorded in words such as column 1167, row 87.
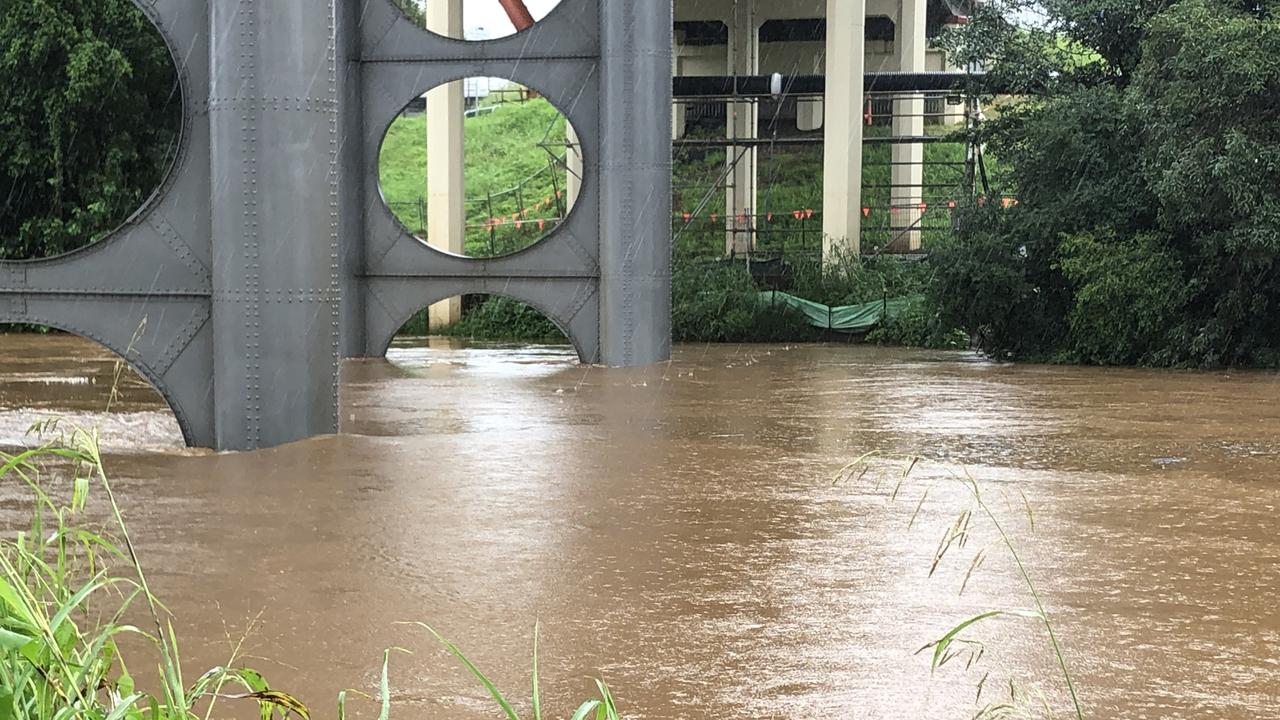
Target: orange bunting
column 951, row 204
column 558, row 194
column 866, row 212
column 688, row 217
column 542, row 224
column 924, row 207
column 769, row 217
column 808, row 213
column 797, row 214
column 519, row 224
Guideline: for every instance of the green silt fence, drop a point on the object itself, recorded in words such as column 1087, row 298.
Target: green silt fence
column 846, row 318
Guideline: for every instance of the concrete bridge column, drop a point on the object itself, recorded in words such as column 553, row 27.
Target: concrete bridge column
column 574, row 164
column 446, row 192
column 843, row 119
column 908, row 121
column 809, row 114
column 680, row 111
column 743, row 122
column 273, row 122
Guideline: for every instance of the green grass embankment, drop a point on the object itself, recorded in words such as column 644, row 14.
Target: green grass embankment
column 512, row 158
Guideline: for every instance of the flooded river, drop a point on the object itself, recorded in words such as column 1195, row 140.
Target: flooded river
column 677, row 530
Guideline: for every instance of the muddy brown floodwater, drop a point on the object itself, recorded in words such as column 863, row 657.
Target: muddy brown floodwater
column 677, row 531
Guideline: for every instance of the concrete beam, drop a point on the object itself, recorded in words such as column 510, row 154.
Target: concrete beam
column 574, row 166
column 446, row 193
column 908, row 121
column 844, row 105
column 743, row 123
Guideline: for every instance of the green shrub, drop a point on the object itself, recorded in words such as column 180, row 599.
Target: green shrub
column 989, row 283
column 718, row 302
column 503, row 319
column 919, row 326
column 1128, row 295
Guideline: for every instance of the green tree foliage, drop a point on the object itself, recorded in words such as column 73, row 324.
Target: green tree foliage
column 1146, row 159
column 413, row 10
column 88, row 120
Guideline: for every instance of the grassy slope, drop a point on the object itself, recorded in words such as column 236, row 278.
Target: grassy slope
column 513, row 143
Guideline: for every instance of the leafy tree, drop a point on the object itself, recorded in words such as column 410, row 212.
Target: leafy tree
column 413, row 10
column 1128, row 293
column 1145, row 155
column 88, row 120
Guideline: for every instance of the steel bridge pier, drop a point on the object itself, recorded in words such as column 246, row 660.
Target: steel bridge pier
column 267, row 254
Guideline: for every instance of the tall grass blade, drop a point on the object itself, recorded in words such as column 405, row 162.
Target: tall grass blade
column 384, row 688
column 537, row 698
column 475, row 672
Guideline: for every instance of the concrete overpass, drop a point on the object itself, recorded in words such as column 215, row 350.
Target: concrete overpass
column 841, row 39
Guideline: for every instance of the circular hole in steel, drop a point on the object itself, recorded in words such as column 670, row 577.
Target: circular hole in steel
column 511, row 181
column 91, row 141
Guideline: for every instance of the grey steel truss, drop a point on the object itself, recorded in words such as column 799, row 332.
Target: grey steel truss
column 268, row 254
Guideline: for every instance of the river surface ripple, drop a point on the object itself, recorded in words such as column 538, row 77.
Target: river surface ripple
column 677, row 529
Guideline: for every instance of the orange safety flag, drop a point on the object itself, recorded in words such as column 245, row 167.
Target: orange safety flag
column 808, row 213
column 869, row 116
column 542, row 224
column 688, row 217
column 519, row 224
column 558, row 195
column 769, row 217
column 866, row 212
column 951, row 204
column 924, row 207
column 797, row 214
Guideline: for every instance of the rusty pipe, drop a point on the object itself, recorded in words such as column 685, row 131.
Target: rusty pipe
column 519, row 14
